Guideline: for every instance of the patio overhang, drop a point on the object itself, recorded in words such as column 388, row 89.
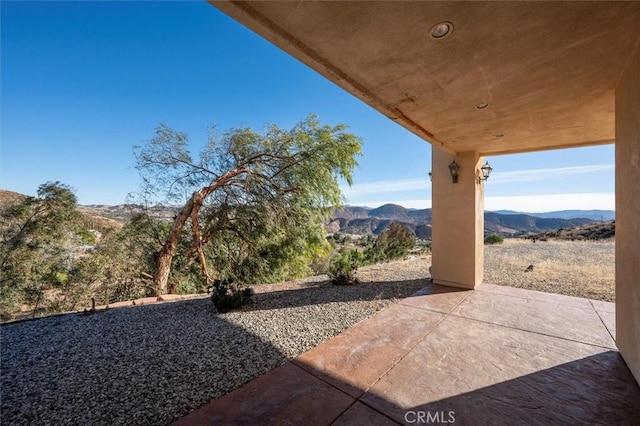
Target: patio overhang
column 547, row 69
column 511, row 77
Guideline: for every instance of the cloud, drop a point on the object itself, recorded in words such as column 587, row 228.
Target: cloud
column 379, row 187
column 375, row 194
column 548, row 174
column 423, row 184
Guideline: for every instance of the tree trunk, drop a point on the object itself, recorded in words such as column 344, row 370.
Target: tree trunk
column 165, row 256
column 197, row 238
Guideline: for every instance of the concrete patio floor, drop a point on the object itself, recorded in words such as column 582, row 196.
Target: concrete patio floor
column 494, row 355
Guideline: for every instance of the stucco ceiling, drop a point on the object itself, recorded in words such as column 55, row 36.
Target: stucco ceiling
column 547, row 69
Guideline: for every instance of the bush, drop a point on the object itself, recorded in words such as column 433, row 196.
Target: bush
column 392, row 244
column 227, row 295
column 344, row 267
column 494, row 239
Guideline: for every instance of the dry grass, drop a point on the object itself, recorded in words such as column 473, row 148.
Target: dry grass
column 575, row 268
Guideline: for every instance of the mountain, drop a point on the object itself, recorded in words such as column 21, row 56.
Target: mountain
column 362, row 220
column 91, row 217
column 592, row 231
column 359, row 221
column 600, row 215
column 10, row 197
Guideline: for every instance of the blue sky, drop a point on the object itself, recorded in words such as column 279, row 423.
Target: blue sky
column 83, row 82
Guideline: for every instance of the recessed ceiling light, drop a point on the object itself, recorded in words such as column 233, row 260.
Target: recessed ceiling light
column 441, row 30
column 482, row 105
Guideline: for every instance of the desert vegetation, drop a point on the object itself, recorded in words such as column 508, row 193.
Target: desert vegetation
column 250, row 208
column 394, row 243
column 254, row 213
column 575, row 268
column 493, row 239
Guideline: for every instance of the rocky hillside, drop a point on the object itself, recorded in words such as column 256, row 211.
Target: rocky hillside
column 92, row 218
column 348, row 220
column 361, row 221
column 10, row 197
column 592, row 231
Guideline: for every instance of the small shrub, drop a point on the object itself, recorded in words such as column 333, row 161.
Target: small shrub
column 344, row 268
column 227, row 295
column 494, row 239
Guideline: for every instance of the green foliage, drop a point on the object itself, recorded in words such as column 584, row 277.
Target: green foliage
column 36, row 237
column 87, row 237
column 227, row 295
column 121, row 263
column 394, row 243
column 344, row 267
column 256, row 215
column 494, row 239
column 259, row 199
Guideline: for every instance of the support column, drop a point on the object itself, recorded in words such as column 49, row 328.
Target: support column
column 628, row 214
column 457, row 221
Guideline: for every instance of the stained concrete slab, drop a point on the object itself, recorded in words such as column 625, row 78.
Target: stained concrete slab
column 287, row 395
column 554, row 299
column 491, row 356
column 545, row 317
column 520, row 378
column 361, row 415
column 609, row 321
column 602, row 306
column 356, row 359
column 437, row 298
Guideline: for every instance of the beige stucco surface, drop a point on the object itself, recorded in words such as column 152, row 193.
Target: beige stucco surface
column 457, row 220
column 628, row 214
column 548, row 69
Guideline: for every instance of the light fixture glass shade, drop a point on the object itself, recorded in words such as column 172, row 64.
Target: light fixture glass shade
column 441, row 30
column 454, row 168
column 486, row 170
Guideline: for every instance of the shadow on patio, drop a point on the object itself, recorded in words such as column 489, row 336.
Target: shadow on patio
column 494, row 355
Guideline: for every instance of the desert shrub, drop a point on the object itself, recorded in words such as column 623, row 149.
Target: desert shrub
column 227, row 295
column 423, row 247
column 494, row 239
column 344, row 267
column 394, row 243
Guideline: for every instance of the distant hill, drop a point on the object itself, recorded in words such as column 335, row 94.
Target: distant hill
column 91, row 218
column 359, row 221
column 601, row 215
column 592, row 231
column 10, row 197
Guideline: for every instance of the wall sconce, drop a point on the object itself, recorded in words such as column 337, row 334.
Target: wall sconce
column 454, row 168
column 485, row 172
column 430, row 175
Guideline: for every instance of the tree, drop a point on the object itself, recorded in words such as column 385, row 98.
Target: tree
column 36, row 238
column 118, row 266
column 393, row 243
column 252, row 198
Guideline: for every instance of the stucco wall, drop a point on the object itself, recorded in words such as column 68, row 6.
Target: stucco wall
column 457, row 220
column 628, row 214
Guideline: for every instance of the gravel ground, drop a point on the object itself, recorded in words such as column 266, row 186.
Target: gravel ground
column 150, row 365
